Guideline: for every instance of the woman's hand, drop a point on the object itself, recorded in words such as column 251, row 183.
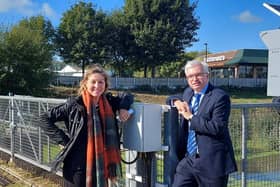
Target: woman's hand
column 124, row 115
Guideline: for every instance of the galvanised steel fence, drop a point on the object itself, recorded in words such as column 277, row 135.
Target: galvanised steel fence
column 254, row 128
column 131, row 82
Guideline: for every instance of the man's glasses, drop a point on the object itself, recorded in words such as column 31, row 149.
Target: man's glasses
column 198, row 76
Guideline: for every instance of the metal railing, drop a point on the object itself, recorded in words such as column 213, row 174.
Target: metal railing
column 254, row 128
column 129, row 82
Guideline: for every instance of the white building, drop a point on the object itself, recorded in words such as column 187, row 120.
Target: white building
column 70, row 70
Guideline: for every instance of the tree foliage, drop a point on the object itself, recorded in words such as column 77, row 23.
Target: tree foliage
column 80, row 35
column 176, row 69
column 144, row 35
column 26, row 55
column 161, row 29
column 120, row 43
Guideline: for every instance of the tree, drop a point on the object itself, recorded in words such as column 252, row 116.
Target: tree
column 42, row 26
column 120, row 43
column 2, row 55
column 176, row 69
column 27, row 55
column 80, row 35
column 162, row 29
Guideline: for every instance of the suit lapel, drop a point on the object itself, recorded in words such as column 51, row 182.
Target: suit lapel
column 188, row 96
column 205, row 99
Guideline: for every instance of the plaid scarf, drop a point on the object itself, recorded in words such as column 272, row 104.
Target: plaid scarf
column 103, row 154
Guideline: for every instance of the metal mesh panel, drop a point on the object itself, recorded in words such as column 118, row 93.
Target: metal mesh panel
column 235, row 128
column 255, row 133
column 263, row 159
column 5, row 136
column 5, row 120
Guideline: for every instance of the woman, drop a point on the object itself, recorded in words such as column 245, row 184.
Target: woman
column 90, row 153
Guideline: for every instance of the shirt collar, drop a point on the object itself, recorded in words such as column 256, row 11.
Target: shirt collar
column 203, row 91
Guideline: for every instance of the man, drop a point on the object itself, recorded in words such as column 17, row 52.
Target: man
column 205, row 148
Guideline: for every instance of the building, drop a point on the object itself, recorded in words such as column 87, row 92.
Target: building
column 242, row 63
column 70, row 70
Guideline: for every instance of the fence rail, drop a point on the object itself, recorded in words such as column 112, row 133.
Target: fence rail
column 254, row 128
column 120, row 82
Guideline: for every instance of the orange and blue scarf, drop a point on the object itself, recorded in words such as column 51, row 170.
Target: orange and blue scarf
column 103, row 154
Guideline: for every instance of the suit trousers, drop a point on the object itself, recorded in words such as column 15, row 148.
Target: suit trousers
column 187, row 176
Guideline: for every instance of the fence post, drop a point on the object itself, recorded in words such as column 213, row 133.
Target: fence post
column 244, row 147
column 168, row 84
column 171, row 126
column 117, row 82
column 40, row 136
column 12, row 128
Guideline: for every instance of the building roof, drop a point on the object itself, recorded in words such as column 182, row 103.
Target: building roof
column 249, row 56
column 70, row 69
column 218, row 60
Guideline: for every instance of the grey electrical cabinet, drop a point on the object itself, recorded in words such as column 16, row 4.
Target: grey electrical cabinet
column 142, row 132
column 271, row 39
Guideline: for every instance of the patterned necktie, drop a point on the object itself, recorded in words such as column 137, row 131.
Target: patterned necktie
column 191, row 144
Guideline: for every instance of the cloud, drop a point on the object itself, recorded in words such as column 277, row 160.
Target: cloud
column 20, row 6
column 48, row 11
column 247, row 17
column 27, row 8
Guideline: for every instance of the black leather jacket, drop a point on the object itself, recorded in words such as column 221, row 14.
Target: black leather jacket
column 73, row 137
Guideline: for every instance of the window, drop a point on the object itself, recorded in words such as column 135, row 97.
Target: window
column 245, row 71
column 261, row 72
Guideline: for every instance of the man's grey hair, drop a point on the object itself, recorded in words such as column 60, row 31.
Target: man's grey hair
column 192, row 63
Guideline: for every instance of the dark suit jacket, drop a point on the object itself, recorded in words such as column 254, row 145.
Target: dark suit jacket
column 216, row 156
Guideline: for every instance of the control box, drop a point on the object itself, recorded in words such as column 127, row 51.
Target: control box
column 142, row 132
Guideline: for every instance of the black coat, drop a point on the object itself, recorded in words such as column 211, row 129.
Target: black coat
column 74, row 136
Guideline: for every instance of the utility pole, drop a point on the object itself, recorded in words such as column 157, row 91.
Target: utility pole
column 206, row 51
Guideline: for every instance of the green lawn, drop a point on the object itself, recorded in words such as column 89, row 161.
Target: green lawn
column 249, row 95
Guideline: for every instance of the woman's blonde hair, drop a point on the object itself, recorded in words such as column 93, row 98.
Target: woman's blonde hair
column 92, row 69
